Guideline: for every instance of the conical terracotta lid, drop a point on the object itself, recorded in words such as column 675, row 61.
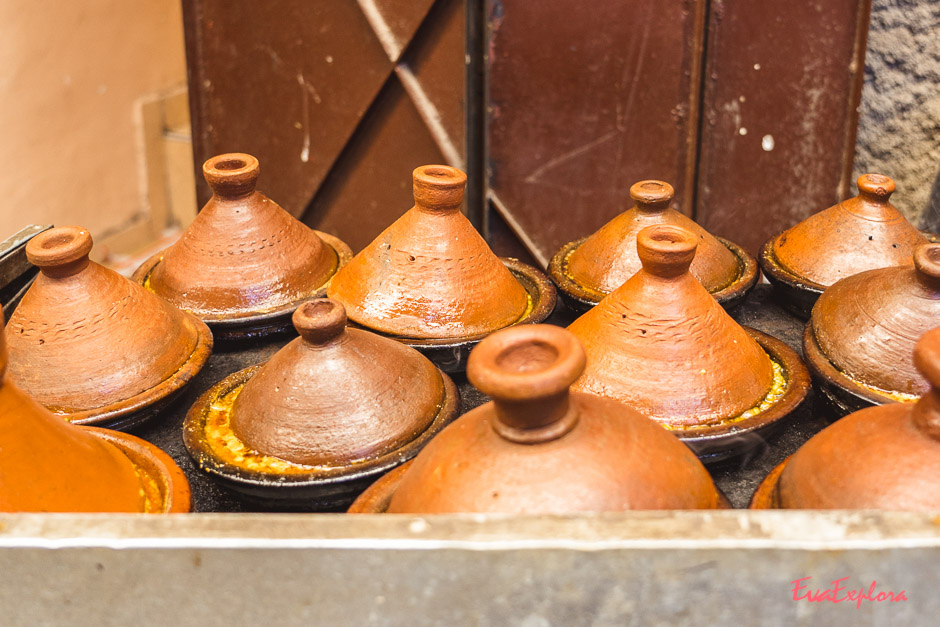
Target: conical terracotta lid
column 606, row 259
column 48, row 465
column 430, row 274
column 884, row 457
column 858, row 234
column 243, row 254
column 334, row 395
column 536, row 448
column 84, row 337
column 867, row 325
column 661, row 344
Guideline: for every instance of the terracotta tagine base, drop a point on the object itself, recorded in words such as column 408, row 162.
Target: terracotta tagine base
column 262, row 324
column 74, row 313
column 884, row 457
column 538, row 447
column 859, row 234
column 739, row 436
column 244, row 264
column 588, row 269
column 580, row 298
column 859, row 343
column 165, row 485
column 450, row 354
column 325, row 416
column 840, row 393
column 277, row 483
column 432, row 282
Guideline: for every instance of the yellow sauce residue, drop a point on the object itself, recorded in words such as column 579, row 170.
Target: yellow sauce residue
column 596, row 294
column 899, row 397
column 777, row 389
column 149, row 491
column 226, row 446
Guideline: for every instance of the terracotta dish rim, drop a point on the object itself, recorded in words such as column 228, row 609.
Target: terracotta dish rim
column 156, row 464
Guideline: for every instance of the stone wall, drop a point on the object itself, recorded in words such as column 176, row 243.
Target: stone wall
column 899, row 125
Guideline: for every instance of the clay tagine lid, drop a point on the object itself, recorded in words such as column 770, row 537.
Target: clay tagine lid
column 885, row 457
column 430, row 274
column 862, row 233
column 315, row 425
column 92, row 345
column 334, row 395
column 868, row 324
column 661, row 344
column 243, row 256
column 48, row 465
column 538, row 448
column 606, row 259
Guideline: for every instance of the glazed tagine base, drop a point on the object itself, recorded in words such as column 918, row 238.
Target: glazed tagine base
column 739, row 436
column 284, row 485
column 841, row 394
column 376, row 498
column 246, row 326
column 580, row 299
column 140, row 408
column 450, row 354
column 164, row 484
column 766, row 495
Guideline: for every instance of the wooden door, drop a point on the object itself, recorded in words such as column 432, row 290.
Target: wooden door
column 339, row 100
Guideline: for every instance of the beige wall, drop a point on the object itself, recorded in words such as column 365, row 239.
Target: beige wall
column 73, row 75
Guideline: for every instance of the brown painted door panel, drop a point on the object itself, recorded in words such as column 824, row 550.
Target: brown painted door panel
column 583, row 102
column 782, row 87
column 340, row 100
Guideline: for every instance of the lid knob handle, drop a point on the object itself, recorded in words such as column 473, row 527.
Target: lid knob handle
column 320, row 320
column 232, row 175
column 60, row 252
column 527, row 371
column 666, row 251
column 438, row 187
column 652, row 196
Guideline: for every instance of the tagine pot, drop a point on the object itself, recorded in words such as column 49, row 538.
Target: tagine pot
column 94, row 347
column 862, row 233
column 859, row 343
column 588, row 269
column 49, row 465
column 330, row 412
column 430, row 280
column 662, row 345
column 244, row 264
column 883, row 457
column 539, row 448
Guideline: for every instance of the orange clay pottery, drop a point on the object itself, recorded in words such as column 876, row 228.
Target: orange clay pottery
column 93, row 346
column 661, row 344
column 539, row 448
column 588, row 269
column 330, row 412
column 48, row 465
column 884, row 457
column 244, row 264
column 862, row 233
column 859, row 343
column 431, row 281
